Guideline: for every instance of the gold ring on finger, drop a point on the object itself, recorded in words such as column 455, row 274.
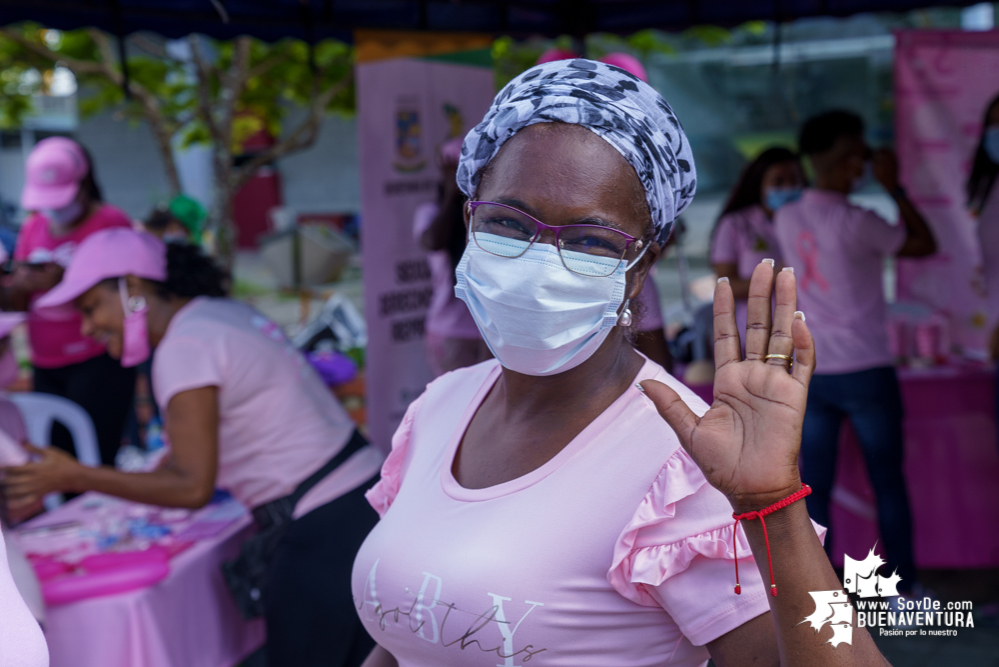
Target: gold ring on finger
column 785, row 357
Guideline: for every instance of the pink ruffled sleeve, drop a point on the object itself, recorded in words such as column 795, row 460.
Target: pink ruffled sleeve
column 677, row 553
column 383, row 493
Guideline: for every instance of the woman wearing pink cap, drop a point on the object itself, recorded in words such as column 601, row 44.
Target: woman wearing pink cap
column 243, row 411
column 65, row 205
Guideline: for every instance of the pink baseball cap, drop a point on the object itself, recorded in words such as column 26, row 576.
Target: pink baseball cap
column 109, row 253
column 628, row 63
column 53, row 173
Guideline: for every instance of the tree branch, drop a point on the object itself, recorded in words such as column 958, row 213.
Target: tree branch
column 39, row 49
column 205, row 70
column 162, row 131
column 151, row 47
column 233, row 84
column 300, row 138
column 265, row 66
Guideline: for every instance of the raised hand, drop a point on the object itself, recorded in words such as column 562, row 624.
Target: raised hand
column 747, row 443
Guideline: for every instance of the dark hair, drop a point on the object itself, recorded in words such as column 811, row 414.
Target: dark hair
column 983, row 169
column 820, row 133
column 160, row 218
column 746, row 192
column 191, row 273
column 89, row 183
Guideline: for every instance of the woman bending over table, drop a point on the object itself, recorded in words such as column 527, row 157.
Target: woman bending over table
column 245, row 412
column 570, row 503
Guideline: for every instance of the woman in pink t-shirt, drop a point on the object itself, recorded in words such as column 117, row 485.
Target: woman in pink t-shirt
column 65, row 207
column 744, row 234
column 451, row 337
column 545, row 509
column 243, row 411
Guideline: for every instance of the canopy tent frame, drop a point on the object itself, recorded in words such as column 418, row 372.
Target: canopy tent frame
column 271, row 20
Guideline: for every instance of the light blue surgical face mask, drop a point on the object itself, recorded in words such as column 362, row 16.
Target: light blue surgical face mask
column 777, row 197
column 990, row 142
column 63, row 217
column 536, row 316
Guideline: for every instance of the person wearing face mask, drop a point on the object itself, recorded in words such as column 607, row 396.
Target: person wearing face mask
column 243, row 411
column 452, row 340
column 569, row 502
column 837, row 251
column 648, row 334
column 66, row 206
column 744, row 234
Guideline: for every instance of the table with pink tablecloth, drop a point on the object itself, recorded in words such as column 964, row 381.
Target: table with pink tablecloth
column 187, row 619
column 951, row 471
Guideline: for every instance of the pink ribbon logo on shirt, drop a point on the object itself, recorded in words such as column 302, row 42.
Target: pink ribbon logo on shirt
column 808, row 250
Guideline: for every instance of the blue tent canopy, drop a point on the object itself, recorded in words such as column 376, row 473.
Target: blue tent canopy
column 317, row 19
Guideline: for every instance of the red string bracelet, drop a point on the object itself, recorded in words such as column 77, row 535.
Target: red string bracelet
column 759, row 514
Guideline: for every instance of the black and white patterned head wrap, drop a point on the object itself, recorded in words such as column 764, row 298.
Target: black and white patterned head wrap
column 628, row 113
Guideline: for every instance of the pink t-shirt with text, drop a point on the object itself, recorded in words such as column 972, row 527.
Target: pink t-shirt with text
column 837, row 250
column 278, row 422
column 56, row 340
column 745, row 238
column 614, row 552
column 448, row 315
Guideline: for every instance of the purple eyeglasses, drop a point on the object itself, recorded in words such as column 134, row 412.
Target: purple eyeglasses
column 589, row 250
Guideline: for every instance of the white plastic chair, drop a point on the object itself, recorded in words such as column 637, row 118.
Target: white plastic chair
column 40, row 411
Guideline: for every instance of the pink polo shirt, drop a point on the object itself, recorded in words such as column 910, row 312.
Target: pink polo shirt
column 745, row 238
column 837, row 250
column 615, row 552
column 56, row 341
column 278, row 422
column 448, row 316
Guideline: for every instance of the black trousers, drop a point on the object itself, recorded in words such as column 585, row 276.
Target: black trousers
column 310, row 617
column 103, row 388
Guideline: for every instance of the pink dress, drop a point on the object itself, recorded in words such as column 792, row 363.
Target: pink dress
column 988, row 237
column 745, row 238
column 447, row 316
column 616, row 552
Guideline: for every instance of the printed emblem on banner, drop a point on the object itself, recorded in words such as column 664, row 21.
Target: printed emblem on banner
column 408, row 137
column 455, row 122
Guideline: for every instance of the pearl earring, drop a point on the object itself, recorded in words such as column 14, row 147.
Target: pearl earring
column 625, row 318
